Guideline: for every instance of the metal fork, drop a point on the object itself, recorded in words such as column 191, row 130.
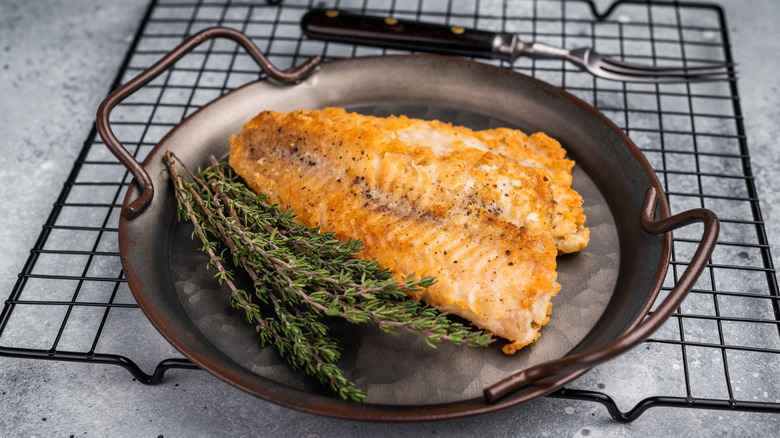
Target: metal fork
column 340, row 26
column 609, row 68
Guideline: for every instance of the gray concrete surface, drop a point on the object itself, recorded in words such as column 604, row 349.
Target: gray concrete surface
column 57, row 59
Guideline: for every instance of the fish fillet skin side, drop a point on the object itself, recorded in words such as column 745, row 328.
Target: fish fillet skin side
column 478, row 210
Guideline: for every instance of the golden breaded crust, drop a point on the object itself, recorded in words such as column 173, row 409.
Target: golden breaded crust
column 426, row 198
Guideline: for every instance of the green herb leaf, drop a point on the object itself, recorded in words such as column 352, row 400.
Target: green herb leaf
column 302, row 274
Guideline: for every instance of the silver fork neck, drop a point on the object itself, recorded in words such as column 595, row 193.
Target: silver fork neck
column 538, row 51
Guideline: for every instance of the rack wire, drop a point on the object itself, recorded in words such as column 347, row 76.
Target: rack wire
column 718, row 351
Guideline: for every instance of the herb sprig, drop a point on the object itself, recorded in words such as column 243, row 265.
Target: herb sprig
column 299, row 275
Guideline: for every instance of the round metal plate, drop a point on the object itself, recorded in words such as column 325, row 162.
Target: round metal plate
column 606, row 289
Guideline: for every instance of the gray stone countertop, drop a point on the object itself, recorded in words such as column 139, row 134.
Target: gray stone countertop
column 57, row 60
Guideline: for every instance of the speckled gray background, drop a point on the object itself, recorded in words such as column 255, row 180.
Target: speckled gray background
column 57, row 59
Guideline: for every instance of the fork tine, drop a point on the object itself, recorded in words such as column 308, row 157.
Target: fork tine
column 715, row 71
column 651, row 78
column 637, row 75
column 670, row 79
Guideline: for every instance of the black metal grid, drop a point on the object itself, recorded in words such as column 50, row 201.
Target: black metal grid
column 717, row 351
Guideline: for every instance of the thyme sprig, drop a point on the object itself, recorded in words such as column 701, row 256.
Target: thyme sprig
column 299, row 275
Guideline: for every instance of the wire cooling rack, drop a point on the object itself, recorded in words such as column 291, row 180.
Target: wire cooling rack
column 720, row 350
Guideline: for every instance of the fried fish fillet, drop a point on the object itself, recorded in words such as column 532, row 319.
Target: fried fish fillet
column 486, row 212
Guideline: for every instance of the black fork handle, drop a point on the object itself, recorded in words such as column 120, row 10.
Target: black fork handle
column 347, row 27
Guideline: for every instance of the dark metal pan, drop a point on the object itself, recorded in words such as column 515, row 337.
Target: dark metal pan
column 608, row 289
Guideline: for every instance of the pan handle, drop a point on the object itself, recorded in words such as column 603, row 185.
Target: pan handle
column 289, row 76
column 582, row 361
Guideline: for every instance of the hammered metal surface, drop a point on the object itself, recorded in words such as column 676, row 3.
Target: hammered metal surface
column 606, row 288
column 403, row 369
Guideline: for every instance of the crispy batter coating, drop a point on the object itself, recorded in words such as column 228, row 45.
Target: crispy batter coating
column 486, row 212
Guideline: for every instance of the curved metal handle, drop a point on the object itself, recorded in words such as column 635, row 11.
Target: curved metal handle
column 104, row 111
column 588, row 359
